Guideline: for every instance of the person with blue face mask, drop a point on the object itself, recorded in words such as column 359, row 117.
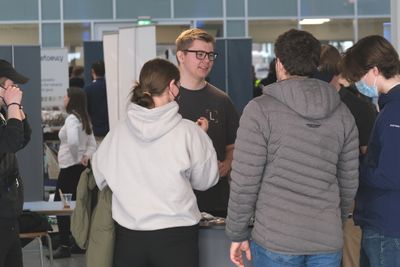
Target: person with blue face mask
column 370, row 91
column 374, row 65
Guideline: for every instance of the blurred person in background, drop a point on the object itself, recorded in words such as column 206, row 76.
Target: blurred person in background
column 77, row 144
column 76, row 77
column 96, row 93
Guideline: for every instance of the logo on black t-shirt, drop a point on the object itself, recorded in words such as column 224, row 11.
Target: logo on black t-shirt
column 212, row 115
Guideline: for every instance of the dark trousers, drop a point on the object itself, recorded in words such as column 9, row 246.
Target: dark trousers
column 10, row 246
column 170, row 247
column 68, row 180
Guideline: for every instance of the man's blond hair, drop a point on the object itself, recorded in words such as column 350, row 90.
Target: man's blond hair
column 186, row 38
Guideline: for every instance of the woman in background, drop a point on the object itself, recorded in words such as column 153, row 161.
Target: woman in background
column 77, row 144
column 152, row 161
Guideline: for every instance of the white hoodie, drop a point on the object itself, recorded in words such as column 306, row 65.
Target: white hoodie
column 152, row 161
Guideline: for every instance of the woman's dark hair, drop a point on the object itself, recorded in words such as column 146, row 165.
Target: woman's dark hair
column 77, row 71
column 330, row 60
column 154, row 78
column 368, row 52
column 298, row 51
column 77, row 106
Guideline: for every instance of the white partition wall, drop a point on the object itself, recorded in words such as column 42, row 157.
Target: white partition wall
column 125, row 53
column 395, row 24
column 145, row 46
column 110, row 47
column 136, row 46
column 127, row 66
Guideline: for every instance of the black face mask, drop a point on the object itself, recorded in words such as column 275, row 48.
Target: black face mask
column 176, row 97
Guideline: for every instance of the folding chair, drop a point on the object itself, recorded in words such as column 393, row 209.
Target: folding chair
column 38, row 236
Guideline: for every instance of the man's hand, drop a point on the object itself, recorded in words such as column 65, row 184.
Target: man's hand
column 225, row 166
column 12, row 95
column 236, row 252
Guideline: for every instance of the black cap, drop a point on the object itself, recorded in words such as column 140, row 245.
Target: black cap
column 7, row 70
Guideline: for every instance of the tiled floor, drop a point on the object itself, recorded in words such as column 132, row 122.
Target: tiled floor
column 31, row 256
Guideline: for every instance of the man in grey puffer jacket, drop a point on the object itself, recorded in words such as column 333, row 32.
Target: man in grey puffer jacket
column 295, row 166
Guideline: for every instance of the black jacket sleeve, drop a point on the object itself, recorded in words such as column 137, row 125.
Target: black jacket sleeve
column 27, row 132
column 13, row 135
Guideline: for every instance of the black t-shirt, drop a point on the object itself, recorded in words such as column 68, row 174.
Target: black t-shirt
column 223, row 121
column 217, row 108
column 363, row 112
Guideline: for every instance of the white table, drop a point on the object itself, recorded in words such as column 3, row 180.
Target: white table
column 49, row 208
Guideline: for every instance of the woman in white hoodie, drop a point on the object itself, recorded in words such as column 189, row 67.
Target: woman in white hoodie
column 77, row 144
column 152, row 160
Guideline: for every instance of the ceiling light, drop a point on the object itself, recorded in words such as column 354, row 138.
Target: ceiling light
column 313, row 21
column 144, row 20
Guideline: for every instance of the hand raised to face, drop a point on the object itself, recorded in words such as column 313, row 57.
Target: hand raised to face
column 11, row 94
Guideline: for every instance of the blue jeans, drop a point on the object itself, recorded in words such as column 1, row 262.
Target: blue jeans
column 263, row 257
column 378, row 250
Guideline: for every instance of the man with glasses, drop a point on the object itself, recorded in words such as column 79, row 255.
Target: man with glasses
column 199, row 99
column 14, row 135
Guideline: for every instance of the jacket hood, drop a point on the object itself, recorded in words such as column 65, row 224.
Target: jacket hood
column 311, row 98
column 150, row 124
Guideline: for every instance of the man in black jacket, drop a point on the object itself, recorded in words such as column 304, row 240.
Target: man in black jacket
column 14, row 135
column 96, row 93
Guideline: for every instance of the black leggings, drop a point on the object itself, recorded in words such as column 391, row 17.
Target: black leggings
column 68, row 180
column 170, row 247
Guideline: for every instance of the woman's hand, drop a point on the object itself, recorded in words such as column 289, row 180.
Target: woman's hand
column 203, row 123
column 85, row 160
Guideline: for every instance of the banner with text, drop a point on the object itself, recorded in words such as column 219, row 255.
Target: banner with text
column 55, row 81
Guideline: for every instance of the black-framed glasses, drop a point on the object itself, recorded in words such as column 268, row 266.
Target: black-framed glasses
column 200, row 54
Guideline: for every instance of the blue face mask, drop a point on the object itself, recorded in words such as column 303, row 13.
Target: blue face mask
column 370, row 91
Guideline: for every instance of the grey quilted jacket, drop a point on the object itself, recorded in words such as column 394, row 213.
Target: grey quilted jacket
column 295, row 168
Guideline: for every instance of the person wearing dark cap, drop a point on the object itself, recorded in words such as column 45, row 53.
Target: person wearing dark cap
column 14, row 135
